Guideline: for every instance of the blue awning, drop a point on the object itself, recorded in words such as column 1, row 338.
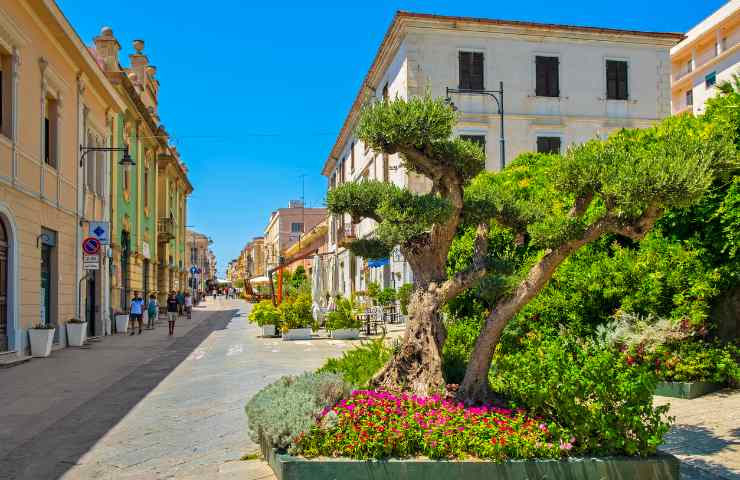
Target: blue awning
column 378, row 262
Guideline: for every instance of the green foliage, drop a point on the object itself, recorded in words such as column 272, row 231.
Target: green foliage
column 373, row 290
column 265, row 313
column 695, row 361
column 461, row 336
column 587, row 388
column 404, row 297
column 296, row 312
column 239, row 283
column 284, row 409
column 357, row 366
column 359, row 199
column 343, row 317
column 387, row 296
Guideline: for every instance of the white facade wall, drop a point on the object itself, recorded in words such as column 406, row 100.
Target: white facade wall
column 427, row 61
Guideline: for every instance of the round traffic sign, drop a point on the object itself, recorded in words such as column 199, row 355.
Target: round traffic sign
column 91, row 245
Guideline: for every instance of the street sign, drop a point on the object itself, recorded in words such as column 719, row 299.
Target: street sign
column 91, row 262
column 91, row 246
column 100, row 230
column 193, row 269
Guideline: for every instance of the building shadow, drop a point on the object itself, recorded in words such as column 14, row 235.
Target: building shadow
column 58, row 448
column 692, row 442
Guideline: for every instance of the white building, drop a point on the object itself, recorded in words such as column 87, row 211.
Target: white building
column 709, row 55
column 562, row 85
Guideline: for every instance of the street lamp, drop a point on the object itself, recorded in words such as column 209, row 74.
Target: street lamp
column 497, row 96
column 126, row 160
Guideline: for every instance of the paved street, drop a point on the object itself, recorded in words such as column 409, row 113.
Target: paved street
column 147, row 406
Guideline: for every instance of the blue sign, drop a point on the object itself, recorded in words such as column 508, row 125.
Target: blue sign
column 378, row 262
column 101, row 231
column 193, row 269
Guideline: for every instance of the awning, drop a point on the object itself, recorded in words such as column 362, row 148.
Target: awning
column 259, row 280
column 377, row 263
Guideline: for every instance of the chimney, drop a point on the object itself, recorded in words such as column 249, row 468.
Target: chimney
column 107, row 48
column 139, row 62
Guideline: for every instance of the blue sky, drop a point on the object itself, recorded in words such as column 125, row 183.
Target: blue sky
column 254, row 96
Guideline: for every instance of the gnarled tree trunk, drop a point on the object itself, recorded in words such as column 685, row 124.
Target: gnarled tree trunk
column 417, row 366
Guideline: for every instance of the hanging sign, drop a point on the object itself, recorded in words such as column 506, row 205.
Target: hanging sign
column 91, row 246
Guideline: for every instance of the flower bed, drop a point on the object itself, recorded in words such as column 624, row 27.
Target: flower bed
column 371, row 424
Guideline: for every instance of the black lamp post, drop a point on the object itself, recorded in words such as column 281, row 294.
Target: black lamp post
column 498, row 97
column 126, row 160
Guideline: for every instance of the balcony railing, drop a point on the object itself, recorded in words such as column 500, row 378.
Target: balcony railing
column 165, row 229
column 346, row 233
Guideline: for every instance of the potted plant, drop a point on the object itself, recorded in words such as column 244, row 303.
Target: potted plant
column 267, row 316
column 41, row 336
column 373, row 291
column 297, row 318
column 76, row 332
column 342, row 322
column 404, row 297
column 121, row 321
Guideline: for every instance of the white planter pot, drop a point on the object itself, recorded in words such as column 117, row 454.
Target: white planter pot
column 346, row 334
column 268, row 330
column 298, row 334
column 41, row 341
column 76, row 334
column 121, row 323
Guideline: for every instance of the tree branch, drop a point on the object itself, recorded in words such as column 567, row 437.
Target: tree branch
column 581, row 205
column 468, row 278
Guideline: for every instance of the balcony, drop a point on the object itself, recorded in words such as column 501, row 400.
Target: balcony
column 165, row 229
column 346, row 234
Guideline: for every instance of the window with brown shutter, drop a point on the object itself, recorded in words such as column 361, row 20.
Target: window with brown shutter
column 548, row 145
column 471, row 70
column 352, row 157
column 548, row 83
column 616, row 80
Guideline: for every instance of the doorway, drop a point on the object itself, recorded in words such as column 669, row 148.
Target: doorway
column 3, row 287
column 48, row 281
column 125, row 269
column 91, row 304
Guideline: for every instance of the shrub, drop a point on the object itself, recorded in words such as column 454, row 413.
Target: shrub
column 373, row 290
column 387, row 296
column 265, row 313
column 461, row 336
column 343, row 316
column 587, row 388
column 357, row 366
column 296, row 312
column 404, row 297
column 282, row 410
column 379, row 425
column 695, row 361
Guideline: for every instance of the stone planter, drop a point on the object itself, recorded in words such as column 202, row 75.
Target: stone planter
column 76, row 334
column 268, row 330
column 298, row 334
column 346, row 334
column 41, row 341
column 121, row 323
column 658, row 467
column 686, row 390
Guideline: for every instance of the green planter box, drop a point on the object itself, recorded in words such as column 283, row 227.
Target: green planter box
column 659, row 467
column 687, row 390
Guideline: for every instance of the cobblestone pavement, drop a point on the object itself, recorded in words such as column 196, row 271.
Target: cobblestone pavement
column 706, row 435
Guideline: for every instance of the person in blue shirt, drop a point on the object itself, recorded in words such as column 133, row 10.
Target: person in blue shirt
column 136, row 312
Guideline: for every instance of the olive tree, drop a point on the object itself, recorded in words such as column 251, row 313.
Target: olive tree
column 617, row 186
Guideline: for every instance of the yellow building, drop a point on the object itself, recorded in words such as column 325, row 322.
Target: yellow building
column 53, row 100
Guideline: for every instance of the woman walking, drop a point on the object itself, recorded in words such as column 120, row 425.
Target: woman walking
column 188, row 305
column 152, row 309
column 171, row 312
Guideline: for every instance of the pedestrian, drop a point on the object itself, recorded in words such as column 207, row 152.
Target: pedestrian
column 180, row 302
column 171, row 312
column 152, row 310
column 214, row 294
column 188, row 305
column 136, row 312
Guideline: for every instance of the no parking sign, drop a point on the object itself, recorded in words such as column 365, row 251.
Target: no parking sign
column 91, row 246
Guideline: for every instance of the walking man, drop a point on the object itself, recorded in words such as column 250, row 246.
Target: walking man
column 188, row 305
column 180, row 303
column 136, row 312
column 171, row 312
column 152, row 311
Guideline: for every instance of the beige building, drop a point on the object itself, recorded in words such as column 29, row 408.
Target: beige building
column 708, row 56
column 562, row 85
column 53, row 100
column 197, row 246
column 286, row 227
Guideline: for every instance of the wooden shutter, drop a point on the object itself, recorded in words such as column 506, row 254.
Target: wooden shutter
column 547, row 82
column 476, row 78
column 471, row 70
column 548, row 145
column 47, row 140
column 2, row 103
column 464, row 62
column 622, row 88
column 617, row 87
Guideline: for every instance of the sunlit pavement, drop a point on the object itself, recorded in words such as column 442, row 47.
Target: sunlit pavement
column 148, row 406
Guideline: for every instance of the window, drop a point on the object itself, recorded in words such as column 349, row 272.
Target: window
column 548, row 145
column 352, row 157
column 51, row 123
column 689, row 66
column 385, row 92
column 616, row 80
column 6, row 97
column 296, row 227
column 479, row 139
column 146, row 187
column 341, row 171
column 689, row 97
column 126, row 178
column 710, row 79
column 548, row 84
column 90, row 163
column 471, row 70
